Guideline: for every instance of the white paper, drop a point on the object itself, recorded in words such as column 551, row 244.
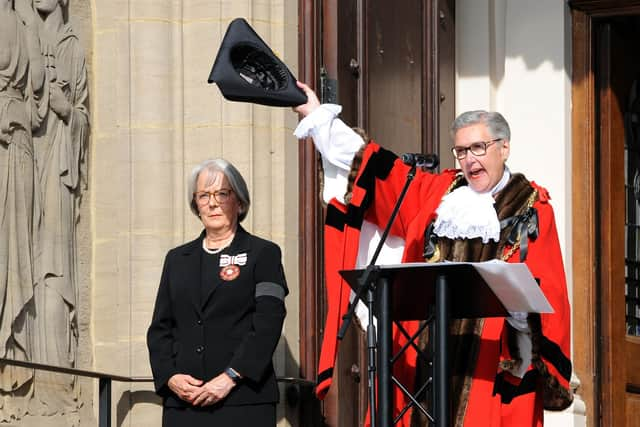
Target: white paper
column 514, row 286
column 512, row 283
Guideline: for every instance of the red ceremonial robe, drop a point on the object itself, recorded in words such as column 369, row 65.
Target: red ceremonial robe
column 496, row 398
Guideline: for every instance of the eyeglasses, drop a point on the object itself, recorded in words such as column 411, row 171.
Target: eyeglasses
column 478, row 148
column 220, row 196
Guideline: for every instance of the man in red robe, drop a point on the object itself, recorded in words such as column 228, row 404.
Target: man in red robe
column 505, row 371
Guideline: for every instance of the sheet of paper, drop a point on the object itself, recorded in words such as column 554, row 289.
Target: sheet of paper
column 512, row 283
column 514, row 286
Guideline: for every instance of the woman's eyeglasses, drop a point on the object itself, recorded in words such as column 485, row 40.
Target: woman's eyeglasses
column 220, row 196
column 477, row 149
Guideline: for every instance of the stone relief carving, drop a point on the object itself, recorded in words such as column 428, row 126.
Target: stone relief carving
column 44, row 126
column 21, row 93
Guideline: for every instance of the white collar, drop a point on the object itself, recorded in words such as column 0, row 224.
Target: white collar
column 503, row 181
column 465, row 213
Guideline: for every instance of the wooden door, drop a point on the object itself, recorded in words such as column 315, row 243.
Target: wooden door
column 618, row 79
column 606, row 263
column 615, row 76
column 392, row 70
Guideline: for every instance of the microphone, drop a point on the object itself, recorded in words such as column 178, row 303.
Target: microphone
column 429, row 161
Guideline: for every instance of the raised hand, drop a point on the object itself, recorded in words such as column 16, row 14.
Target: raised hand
column 312, row 101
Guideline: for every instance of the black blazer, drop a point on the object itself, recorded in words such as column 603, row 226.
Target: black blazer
column 230, row 323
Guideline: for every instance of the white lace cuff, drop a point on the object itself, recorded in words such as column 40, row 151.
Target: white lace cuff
column 336, row 142
column 320, row 116
column 525, row 349
column 518, row 320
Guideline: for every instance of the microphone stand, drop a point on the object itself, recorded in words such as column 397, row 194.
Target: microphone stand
column 366, row 283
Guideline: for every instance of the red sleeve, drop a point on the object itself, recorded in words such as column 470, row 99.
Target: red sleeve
column 551, row 335
column 379, row 183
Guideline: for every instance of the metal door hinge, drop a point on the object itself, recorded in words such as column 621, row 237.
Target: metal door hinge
column 328, row 88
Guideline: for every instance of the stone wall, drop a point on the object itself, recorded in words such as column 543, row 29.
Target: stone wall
column 152, row 118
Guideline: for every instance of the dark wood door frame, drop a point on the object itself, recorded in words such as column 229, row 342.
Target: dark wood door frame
column 595, row 328
column 310, row 213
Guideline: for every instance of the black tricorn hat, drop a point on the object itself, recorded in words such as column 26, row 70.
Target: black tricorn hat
column 247, row 70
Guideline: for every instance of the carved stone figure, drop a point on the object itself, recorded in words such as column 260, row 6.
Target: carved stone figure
column 21, row 89
column 60, row 147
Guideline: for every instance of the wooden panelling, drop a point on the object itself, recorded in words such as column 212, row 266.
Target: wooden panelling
column 632, row 409
column 583, row 218
column 310, row 214
column 633, row 364
column 611, row 206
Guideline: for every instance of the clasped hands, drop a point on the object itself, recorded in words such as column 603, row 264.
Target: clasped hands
column 200, row 393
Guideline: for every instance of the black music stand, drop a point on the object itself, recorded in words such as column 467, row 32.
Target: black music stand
column 451, row 290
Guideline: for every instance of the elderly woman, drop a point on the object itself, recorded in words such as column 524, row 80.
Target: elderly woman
column 505, row 371
column 218, row 313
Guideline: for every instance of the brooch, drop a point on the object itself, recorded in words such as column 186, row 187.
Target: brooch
column 240, row 259
column 229, row 272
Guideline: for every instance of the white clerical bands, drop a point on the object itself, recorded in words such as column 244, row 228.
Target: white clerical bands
column 269, row 289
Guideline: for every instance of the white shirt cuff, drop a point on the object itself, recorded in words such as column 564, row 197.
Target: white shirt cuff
column 518, row 320
column 336, row 142
column 525, row 349
column 320, row 116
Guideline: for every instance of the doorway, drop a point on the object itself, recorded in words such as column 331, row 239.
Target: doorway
column 606, row 186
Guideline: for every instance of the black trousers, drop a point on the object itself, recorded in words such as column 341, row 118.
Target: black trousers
column 262, row 415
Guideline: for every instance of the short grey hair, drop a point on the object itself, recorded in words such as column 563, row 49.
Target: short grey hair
column 236, row 181
column 494, row 121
